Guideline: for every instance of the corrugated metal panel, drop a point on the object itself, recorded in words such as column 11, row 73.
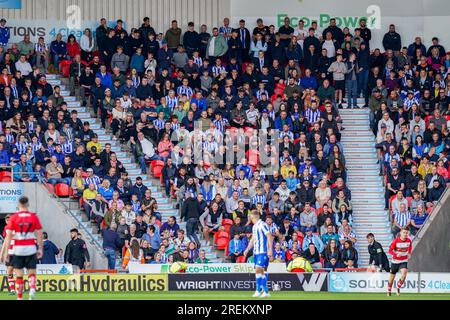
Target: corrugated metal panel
column 161, row 12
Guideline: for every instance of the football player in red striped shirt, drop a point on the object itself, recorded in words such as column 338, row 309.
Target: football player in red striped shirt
column 400, row 249
column 8, row 263
column 25, row 229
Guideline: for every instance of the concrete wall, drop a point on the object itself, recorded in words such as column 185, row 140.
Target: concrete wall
column 431, row 248
column 160, row 12
column 57, row 223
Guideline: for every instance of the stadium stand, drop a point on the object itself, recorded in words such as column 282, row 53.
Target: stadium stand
column 359, row 139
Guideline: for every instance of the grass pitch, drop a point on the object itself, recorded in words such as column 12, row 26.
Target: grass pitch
column 222, row 295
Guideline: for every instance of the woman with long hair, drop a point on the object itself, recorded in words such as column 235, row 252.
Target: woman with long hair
column 331, row 252
column 78, row 183
column 349, row 255
column 133, row 254
column 87, row 45
column 73, row 48
column 337, row 170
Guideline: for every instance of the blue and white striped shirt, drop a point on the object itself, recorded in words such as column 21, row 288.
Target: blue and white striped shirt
column 159, row 123
column 210, row 147
column 9, row 138
column 220, row 124
column 402, row 219
column 172, row 102
column 35, row 147
column 259, row 199
column 174, row 126
column 94, row 179
column 198, row 61
column 218, row 69
column 185, row 90
column 312, row 116
column 21, row 147
column 260, row 232
column 67, row 148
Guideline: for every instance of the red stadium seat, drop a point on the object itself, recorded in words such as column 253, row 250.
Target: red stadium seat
column 62, row 190
column 222, row 243
column 156, row 163
column 5, row 176
column 409, row 199
column 157, row 172
column 240, row 259
column 227, row 222
column 391, row 199
column 64, row 67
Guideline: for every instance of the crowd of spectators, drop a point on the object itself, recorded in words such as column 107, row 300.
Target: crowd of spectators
column 289, row 84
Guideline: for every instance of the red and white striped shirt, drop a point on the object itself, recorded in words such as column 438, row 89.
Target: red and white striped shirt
column 400, row 250
column 11, row 244
column 23, row 225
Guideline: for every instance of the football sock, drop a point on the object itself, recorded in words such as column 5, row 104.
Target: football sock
column 400, row 283
column 265, row 277
column 389, row 287
column 32, row 281
column 19, row 287
column 258, row 282
column 11, row 282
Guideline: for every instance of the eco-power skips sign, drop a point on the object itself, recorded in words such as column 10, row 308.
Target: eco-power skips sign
column 412, row 20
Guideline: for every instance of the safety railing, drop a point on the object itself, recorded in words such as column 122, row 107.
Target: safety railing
column 69, row 212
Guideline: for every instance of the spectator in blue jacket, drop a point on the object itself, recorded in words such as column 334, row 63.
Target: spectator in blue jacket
column 235, row 248
column 310, row 237
column 23, row 170
column 58, row 49
column 105, row 77
column 49, row 252
column 5, row 33
column 137, row 62
column 308, row 81
column 417, row 44
column 4, row 156
column 165, row 56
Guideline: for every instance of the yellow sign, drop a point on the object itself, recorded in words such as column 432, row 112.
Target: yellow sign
column 96, row 283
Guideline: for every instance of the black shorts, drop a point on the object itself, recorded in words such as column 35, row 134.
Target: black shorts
column 396, row 267
column 9, row 263
column 339, row 84
column 28, row 262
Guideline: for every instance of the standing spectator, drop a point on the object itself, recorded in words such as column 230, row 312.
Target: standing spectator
column 76, row 252
column 73, row 47
column 173, row 36
column 111, row 243
column 191, row 212
column 87, row 45
column 5, row 33
column 50, row 251
column 392, row 40
column 339, row 70
column 217, row 46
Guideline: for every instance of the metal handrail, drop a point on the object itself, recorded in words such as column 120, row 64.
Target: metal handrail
column 433, row 212
column 69, row 212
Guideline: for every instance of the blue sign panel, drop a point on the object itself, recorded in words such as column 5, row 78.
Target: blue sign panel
column 11, row 4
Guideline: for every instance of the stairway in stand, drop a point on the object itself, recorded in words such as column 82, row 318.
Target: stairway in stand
column 166, row 206
column 364, row 181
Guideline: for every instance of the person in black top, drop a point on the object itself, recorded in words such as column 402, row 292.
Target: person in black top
column 286, row 32
column 76, row 252
column 378, row 257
